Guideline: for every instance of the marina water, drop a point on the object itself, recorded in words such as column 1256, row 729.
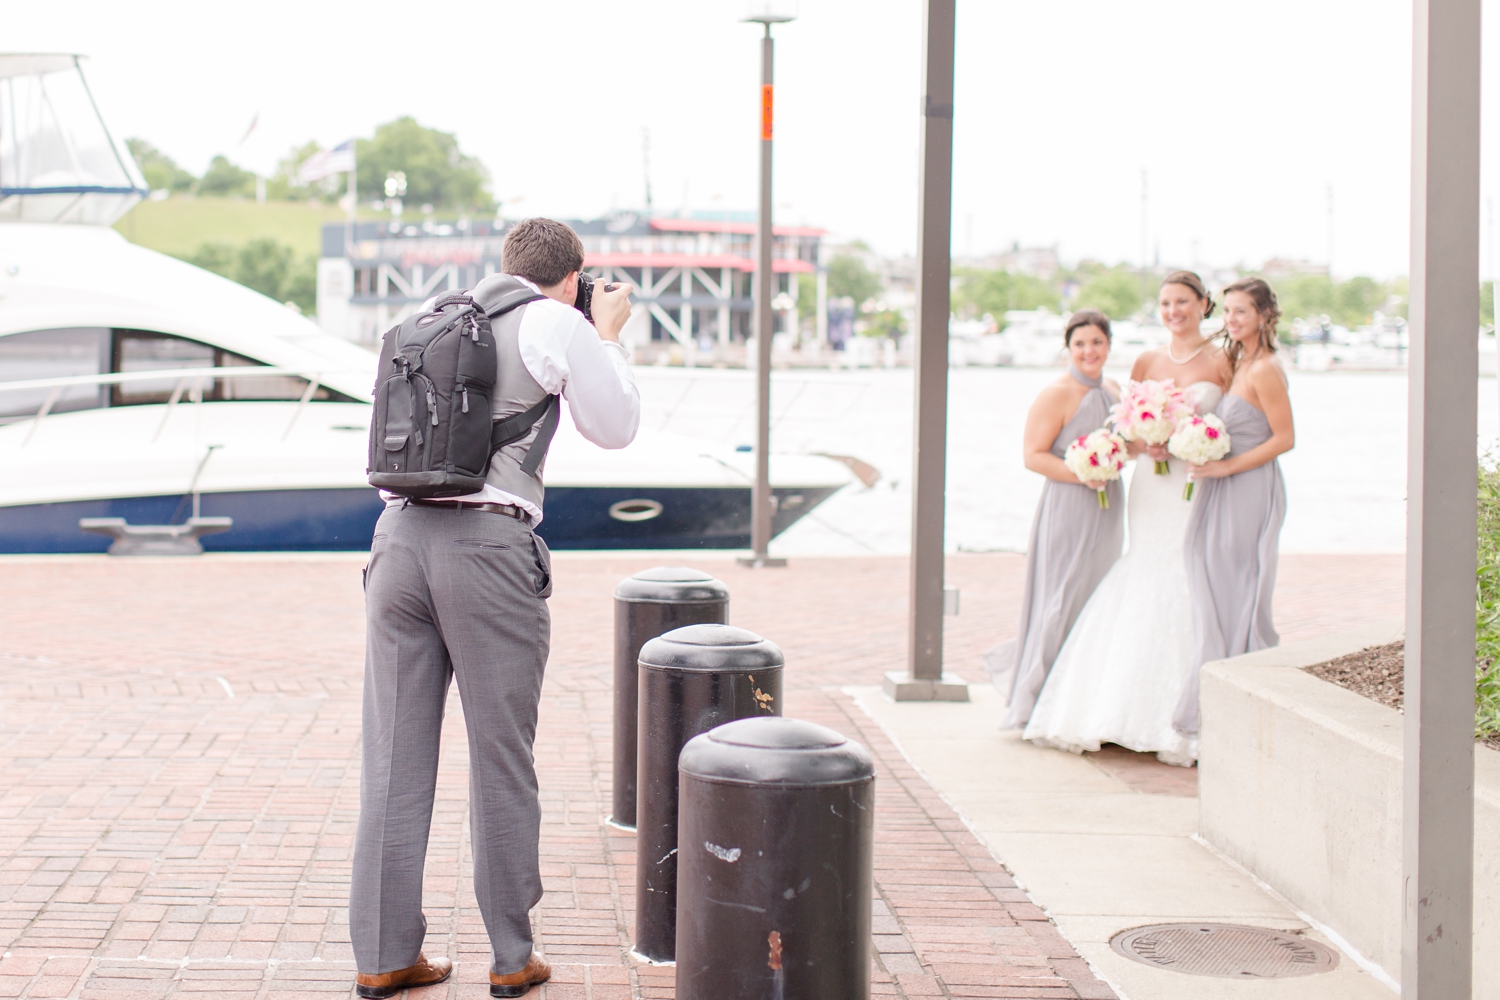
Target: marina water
column 1346, row 479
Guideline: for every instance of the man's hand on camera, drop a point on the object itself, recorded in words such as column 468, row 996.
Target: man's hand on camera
column 611, row 309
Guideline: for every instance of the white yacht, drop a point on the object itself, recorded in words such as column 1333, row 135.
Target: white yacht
column 138, row 387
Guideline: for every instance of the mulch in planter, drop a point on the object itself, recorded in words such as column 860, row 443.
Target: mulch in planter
column 1377, row 672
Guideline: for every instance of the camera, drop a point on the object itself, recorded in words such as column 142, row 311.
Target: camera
column 586, row 294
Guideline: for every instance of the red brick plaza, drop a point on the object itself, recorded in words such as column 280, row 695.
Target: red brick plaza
column 180, row 776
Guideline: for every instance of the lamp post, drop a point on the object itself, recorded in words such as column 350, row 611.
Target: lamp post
column 1437, row 956
column 765, row 13
column 924, row 679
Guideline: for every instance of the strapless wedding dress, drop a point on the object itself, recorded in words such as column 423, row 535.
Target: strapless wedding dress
column 1123, row 667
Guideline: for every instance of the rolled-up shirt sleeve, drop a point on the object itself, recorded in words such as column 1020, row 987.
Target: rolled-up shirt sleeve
column 565, row 354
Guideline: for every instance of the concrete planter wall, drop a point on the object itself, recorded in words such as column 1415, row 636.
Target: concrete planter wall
column 1300, row 782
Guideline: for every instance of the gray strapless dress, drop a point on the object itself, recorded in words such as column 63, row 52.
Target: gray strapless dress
column 1230, row 549
column 1073, row 544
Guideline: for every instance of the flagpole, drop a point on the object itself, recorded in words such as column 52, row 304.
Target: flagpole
column 353, row 205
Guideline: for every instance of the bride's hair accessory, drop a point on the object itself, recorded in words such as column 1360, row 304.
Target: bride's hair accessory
column 1149, row 411
column 1198, row 441
column 1096, row 457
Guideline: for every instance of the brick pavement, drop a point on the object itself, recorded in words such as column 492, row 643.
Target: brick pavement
column 179, row 784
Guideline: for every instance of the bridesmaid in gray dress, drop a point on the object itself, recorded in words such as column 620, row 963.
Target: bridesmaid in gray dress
column 1073, row 540
column 1231, row 543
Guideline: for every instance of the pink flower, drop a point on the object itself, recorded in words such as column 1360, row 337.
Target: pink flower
column 1211, row 433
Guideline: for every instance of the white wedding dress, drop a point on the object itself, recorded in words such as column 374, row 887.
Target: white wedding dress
column 1129, row 655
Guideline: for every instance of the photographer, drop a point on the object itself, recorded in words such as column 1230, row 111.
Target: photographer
column 458, row 588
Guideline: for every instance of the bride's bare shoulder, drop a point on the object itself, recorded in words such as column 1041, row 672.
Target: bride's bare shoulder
column 1145, row 361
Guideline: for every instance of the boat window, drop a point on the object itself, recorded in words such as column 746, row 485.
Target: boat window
column 139, row 351
column 145, row 350
column 85, row 351
column 38, row 354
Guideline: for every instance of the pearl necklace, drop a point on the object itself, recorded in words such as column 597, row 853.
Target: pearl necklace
column 1201, row 346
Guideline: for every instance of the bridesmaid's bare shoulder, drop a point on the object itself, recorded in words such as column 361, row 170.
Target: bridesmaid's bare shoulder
column 1112, row 386
column 1268, row 372
column 1058, row 393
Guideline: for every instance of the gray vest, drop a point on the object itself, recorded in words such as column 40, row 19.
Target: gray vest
column 515, row 392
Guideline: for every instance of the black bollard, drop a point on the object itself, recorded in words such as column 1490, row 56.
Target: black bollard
column 691, row 680
column 775, row 868
column 648, row 604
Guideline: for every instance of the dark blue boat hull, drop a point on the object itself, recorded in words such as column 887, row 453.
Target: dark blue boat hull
column 344, row 519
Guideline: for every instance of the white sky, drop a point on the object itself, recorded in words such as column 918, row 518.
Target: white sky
column 1242, row 114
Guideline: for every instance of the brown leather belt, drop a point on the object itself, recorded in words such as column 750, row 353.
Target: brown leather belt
column 509, row 510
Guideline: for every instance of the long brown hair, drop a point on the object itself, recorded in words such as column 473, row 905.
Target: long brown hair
column 1267, row 309
column 1191, row 281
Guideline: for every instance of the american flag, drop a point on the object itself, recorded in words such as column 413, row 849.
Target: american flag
column 338, row 160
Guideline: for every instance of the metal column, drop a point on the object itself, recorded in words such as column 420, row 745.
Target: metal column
column 1438, row 883
column 765, row 316
column 924, row 679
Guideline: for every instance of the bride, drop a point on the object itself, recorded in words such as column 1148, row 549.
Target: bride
column 1123, row 666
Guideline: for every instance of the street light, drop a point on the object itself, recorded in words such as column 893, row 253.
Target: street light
column 766, row 13
column 924, row 678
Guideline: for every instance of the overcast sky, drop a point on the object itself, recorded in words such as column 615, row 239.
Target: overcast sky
column 1243, row 116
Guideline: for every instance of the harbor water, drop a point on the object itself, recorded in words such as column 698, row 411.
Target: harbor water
column 1346, row 479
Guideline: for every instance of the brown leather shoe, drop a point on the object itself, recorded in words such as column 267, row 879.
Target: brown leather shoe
column 426, row 972
column 517, row 983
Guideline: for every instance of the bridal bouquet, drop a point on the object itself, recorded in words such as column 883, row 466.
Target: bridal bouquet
column 1096, row 458
column 1199, row 440
column 1149, row 411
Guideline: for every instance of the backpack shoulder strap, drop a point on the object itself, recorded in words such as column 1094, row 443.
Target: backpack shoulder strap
column 500, row 293
column 543, row 441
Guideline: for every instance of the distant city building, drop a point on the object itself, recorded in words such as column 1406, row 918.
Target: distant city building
column 1038, row 262
column 692, row 275
column 1286, row 267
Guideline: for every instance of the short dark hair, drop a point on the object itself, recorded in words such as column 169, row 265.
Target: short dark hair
column 543, row 251
column 1087, row 317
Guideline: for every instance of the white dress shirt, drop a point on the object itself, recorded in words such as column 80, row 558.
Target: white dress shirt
column 566, row 355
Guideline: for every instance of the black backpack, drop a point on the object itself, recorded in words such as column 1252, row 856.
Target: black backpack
column 432, row 434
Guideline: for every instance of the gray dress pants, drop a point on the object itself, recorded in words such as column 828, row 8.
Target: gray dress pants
column 449, row 593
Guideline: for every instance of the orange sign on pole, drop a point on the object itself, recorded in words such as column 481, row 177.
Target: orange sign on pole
column 765, row 111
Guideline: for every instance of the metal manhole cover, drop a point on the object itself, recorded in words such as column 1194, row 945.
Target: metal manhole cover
column 1229, row 951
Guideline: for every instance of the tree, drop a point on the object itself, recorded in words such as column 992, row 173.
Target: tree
column 224, row 179
column 159, row 170
column 807, row 296
column 884, row 323
column 848, row 276
column 1487, row 304
column 266, row 266
column 1118, row 292
column 285, row 184
column 1348, row 303
column 998, row 292
column 437, row 173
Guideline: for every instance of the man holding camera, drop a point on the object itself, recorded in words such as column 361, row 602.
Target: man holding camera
column 458, row 589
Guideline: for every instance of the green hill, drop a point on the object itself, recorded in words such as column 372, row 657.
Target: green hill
column 180, row 225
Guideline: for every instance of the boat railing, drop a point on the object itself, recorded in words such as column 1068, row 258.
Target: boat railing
column 190, row 383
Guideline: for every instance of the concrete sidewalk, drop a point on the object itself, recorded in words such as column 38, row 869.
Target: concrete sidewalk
column 1098, row 855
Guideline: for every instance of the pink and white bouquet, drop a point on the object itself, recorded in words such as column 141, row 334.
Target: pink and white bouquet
column 1198, row 441
column 1097, row 457
column 1149, row 411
